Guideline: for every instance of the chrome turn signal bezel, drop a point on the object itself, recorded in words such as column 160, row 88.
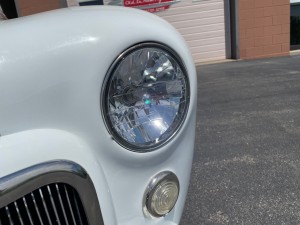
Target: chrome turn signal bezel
column 152, row 187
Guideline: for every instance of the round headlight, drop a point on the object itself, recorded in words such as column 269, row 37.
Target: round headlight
column 146, row 96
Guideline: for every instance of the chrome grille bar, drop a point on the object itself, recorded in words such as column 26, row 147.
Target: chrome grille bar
column 27, row 211
column 61, row 204
column 36, row 208
column 52, row 193
column 69, row 204
column 46, row 206
column 19, row 215
column 9, row 216
column 76, row 207
column 53, row 205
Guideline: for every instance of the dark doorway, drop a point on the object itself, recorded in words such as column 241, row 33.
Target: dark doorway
column 91, row 2
column 9, row 8
column 295, row 26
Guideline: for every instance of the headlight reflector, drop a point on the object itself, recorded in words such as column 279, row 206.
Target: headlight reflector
column 146, row 97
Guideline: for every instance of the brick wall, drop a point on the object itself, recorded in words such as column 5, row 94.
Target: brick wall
column 264, row 27
column 28, row 7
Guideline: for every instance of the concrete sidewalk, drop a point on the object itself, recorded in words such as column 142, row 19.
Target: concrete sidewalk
column 247, row 153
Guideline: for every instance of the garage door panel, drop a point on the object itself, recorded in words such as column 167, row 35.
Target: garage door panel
column 195, row 15
column 188, row 3
column 208, row 56
column 207, row 41
column 192, row 9
column 203, row 35
column 202, row 24
column 198, row 22
column 207, row 48
column 202, row 29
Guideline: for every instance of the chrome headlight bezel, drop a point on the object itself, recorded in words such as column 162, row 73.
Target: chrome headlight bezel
column 105, row 91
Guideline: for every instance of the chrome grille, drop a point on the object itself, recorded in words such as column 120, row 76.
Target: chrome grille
column 53, row 204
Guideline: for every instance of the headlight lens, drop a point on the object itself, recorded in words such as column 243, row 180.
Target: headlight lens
column 146, row 96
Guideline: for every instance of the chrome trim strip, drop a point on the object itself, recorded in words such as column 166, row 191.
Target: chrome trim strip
column 21, row 183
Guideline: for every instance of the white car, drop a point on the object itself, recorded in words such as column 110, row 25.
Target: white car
column 97, row 118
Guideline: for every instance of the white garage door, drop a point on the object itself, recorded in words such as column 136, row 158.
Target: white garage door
column 202, row 23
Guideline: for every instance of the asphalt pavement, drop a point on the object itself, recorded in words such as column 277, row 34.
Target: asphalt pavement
column 246, row 167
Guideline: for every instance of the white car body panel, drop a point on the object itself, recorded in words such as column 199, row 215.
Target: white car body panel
column 52, row 67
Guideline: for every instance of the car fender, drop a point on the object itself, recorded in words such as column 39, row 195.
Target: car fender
column 52, row 68
column 24, row 149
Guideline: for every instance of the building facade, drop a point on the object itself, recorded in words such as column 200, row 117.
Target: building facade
column 213, row 29
column 264, row 28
